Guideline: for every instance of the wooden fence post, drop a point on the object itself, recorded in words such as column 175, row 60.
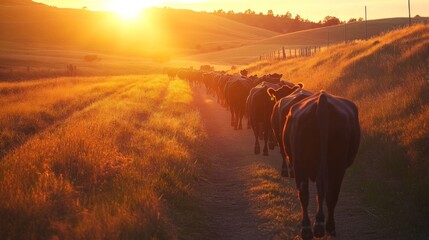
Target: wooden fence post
column 284, row 53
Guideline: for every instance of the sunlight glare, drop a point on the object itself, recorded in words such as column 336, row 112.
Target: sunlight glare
column 128, row 9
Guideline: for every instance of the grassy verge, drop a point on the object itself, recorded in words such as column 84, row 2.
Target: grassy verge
column 118, row 169
column 273, row 199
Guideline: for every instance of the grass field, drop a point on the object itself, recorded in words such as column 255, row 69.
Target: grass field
column 388, row 78
column 85, row 159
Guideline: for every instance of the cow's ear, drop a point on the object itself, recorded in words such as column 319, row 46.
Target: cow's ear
column 272, row 93
column 300, row 84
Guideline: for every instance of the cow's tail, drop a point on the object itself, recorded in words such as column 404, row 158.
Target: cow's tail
column 323, row 122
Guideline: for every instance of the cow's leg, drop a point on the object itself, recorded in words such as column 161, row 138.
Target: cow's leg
column 272, row 144
column 235, row 120
column 319, row 225
column 266, row 137
column 306, row 232
column 257, row 147
column 332, row 192
column 232, row 118
column 248, row 123
column 240, row 118
column 265, row 143
column 285, row 170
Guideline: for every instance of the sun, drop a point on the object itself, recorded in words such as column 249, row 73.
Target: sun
column 128, row 9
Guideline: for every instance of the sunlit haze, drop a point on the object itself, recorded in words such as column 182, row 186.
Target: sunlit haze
column 128, row 9
column 308, row 9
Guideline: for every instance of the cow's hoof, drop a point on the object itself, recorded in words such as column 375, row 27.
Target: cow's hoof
column 292, row 174
column 306, row 233
column 285, row 173
column 331, row 233
column 319, row 229
column 271, row 146
column 257, row 150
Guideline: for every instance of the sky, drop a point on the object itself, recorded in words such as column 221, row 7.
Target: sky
column 313, row 10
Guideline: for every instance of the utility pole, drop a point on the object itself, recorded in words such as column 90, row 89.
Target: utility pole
column 409, row 13
column 366, row 25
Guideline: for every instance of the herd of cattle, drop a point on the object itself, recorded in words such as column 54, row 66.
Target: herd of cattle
column 318, row 133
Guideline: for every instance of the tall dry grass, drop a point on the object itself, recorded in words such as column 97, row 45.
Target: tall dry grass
column 117, row 169
column 388, row 78
column 31, row 106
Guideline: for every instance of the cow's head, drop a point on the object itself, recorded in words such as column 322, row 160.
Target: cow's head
column 243, row 73
column 282, row 92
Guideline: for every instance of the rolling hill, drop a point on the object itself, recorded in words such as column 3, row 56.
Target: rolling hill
column 46, row 39
column 158, row 29
column 314, row 37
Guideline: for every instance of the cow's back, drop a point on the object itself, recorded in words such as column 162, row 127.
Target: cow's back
column 306, row 125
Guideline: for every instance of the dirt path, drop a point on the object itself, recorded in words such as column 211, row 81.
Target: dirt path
column 225, row 199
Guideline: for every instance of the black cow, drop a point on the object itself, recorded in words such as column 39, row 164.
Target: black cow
column 259, row 107
column 236, row 91
column 283, row 102
column 321, row 139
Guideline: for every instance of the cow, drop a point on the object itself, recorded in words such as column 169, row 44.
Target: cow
column 171, row 73
column 283, row 102
column 236, row 91
column 259, row 108
column 321, row 138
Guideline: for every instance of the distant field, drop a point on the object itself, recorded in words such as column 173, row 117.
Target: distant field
column 314, row 37
column 19, row 61
column 84, row 160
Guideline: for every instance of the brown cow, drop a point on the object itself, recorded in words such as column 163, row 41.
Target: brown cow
column 321, row 139
column 259, row 108
column 283, row 103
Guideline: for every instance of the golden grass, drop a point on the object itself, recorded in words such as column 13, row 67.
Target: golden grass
column 388, row 78
column 273, row 198
column 28, row 107
column 111, row 170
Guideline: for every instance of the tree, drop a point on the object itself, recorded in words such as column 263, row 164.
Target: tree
column 288, row 15
column 298, row 18
column 331, row 20
column 270, row 13
column 219, row 12
column 360, row 19
column 352, row 20
column 249, row 12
